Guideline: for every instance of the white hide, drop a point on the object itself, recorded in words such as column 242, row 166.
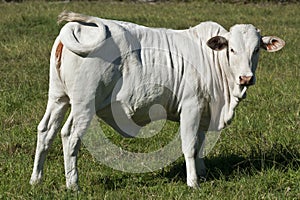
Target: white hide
column 118, row 70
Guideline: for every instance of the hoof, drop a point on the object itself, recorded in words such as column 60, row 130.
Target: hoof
column 73, row 187
column 202, row 178
column 193, row 183
column 35, row 181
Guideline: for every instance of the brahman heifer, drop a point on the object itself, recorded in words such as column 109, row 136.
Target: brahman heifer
column 197, row 75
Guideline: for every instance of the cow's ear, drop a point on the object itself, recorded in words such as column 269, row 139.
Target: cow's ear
column 272, row 43
column 217, row 43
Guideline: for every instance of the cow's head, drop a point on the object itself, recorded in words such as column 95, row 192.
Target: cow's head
column 243, row 44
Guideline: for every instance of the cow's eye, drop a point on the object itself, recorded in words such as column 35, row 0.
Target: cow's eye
column 232, row 51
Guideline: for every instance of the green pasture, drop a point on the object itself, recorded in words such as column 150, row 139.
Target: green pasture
column 257, row 156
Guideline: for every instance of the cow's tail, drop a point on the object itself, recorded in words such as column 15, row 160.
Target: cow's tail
column 72, row 38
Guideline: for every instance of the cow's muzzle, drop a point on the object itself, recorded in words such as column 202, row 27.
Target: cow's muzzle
column 246, row 80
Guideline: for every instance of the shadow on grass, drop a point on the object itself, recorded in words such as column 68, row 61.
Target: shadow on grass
column 224, row 167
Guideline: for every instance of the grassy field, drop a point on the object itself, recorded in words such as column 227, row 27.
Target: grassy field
column 257, row 156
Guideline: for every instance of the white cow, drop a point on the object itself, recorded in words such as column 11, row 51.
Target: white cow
column 103, row 67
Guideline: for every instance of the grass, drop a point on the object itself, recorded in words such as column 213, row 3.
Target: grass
column 257, row 156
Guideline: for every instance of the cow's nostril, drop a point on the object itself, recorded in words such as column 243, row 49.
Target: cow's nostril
column 246, row 80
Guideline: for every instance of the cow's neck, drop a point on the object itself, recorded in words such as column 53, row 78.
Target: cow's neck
column 227, row 101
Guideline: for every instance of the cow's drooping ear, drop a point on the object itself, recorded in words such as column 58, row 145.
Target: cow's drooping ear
column 217, row 43
column 272, row 43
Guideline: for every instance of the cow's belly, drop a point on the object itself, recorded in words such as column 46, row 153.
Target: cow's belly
column 127, row 114
column 128, row 126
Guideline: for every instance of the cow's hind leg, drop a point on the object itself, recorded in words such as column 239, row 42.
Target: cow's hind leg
column 47, row 129
column 72, row 131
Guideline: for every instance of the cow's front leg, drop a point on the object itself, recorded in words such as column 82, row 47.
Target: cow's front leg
column 189, row 124
column 72, row 131
column 47, row 129
column 200, row 165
